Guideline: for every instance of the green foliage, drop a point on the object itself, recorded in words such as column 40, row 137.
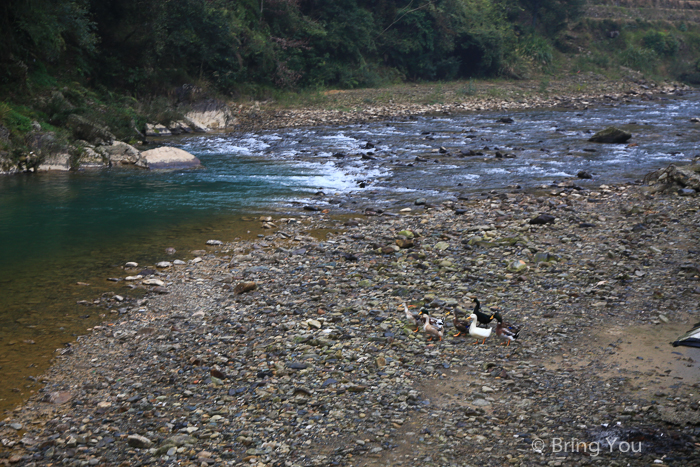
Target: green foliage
column 17, row 123
column 45, row 29
column 638, row 58
column 539, row 50
column 593, row 61
column 662, row 43
column 5, row 110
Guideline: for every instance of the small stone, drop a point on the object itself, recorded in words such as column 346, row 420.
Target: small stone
column 297, row 365
column 164, row 264
column 312, row 323
column 542, row 219
column 16, row 426
column 140, row 442
column 381, row 362
column 404, row 242
column 244, row 287
column 58, row 397
column 214, row 242
column 131, row 264
column 442, row 246
column 420, row 202
column 517, row 266
column 156, row 282
column 544, row 257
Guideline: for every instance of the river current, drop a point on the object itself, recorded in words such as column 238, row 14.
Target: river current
column 63, row 234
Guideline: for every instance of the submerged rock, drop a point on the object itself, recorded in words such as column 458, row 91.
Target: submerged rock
column 611, row 135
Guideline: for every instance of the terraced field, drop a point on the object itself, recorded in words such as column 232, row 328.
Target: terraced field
column 676, row 11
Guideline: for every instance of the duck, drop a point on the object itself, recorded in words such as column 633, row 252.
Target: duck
column 413, row 318
column 461, row 326
column 431, row 330
column 476, row 331
column 483, row 318
column 437, row 322
column 508, row 332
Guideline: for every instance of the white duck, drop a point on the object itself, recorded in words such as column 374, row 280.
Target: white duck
column 478, row 332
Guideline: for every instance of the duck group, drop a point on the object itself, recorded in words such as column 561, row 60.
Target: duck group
column 477, row 324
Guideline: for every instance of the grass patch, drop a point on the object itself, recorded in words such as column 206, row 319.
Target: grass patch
column 469, row 89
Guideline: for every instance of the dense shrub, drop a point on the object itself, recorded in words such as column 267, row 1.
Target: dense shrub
column 660, row 42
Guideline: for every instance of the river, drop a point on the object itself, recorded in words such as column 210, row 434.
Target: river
column 64, row 234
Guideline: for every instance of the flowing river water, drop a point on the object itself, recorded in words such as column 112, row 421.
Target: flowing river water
column 63, row 234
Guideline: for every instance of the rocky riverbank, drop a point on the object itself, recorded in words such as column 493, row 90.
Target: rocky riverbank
column 90, row 145
column 292, row 350
column 576, row 91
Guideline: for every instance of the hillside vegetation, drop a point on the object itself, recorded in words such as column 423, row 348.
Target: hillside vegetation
column 122, row 63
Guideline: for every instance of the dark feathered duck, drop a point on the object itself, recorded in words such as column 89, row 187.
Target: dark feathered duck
column 482, row 318
column 508, row 332
column 461, row 326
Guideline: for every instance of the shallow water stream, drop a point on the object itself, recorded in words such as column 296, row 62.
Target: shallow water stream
column 58, row 230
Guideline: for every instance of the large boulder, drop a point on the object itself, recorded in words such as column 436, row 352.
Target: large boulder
column 611, row 135
column 55, row 163
column 674, row 176
column 90, row 158
column 210, row 115
column 156, row 129
column 7, row 165
column 84, row 129
column 119, row 153
column 169, row 158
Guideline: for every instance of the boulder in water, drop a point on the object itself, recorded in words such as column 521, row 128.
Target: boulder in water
column 611, row 135
column 169, row 158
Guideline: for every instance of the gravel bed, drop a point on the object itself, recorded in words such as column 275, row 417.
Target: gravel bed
column 292, row 350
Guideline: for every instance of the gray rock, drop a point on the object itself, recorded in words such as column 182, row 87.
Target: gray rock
column 89, row 131
column 120, row 154
column 138, row 441
column 611, row 135
column 156, row 129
